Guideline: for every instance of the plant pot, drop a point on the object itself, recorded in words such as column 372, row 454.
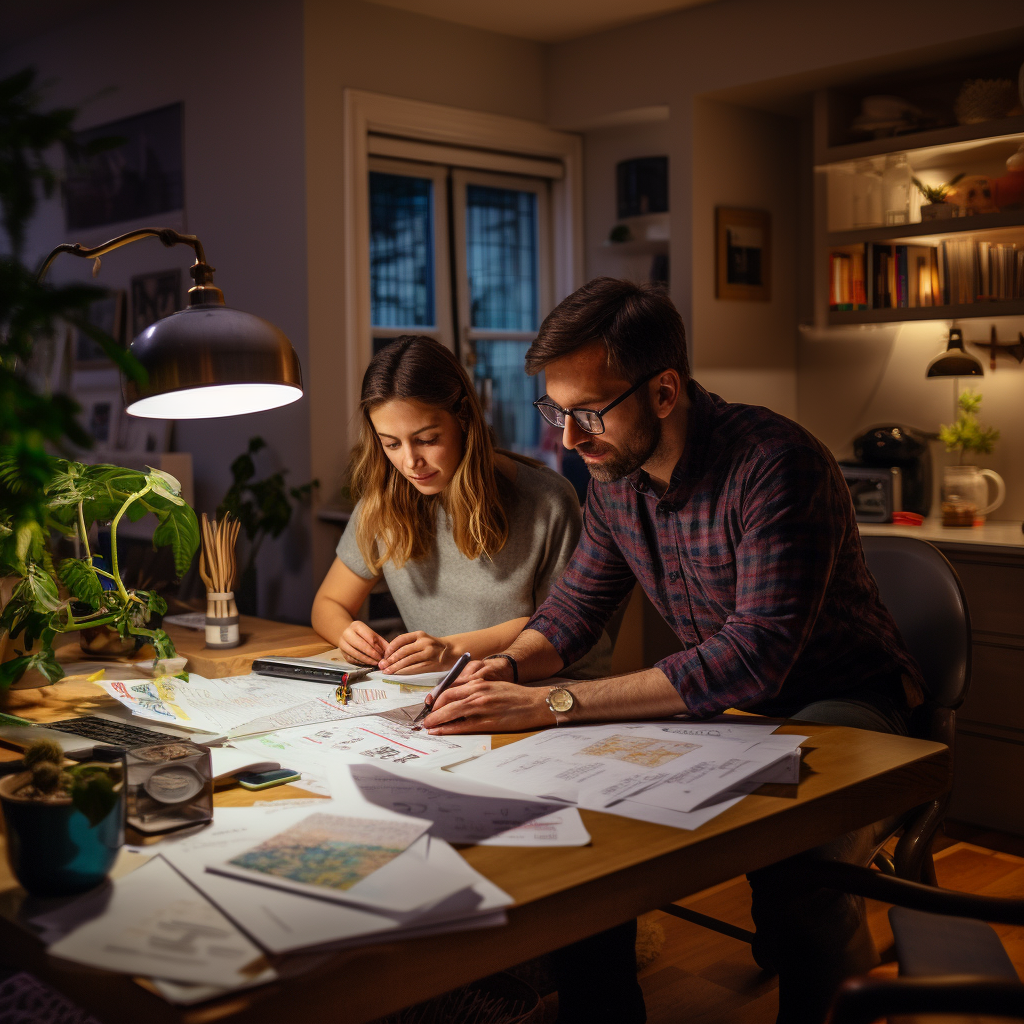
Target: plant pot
column 937, row 211
column 51, row 847
column 12, row 647
column 105, row 641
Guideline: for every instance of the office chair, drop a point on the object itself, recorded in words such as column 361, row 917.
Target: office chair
column 923, row 594
column 951, row 962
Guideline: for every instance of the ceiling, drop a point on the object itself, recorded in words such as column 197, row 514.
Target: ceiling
column 546, row 21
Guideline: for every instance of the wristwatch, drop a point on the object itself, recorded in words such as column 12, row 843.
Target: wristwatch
column 561, row 701
column 511, row 661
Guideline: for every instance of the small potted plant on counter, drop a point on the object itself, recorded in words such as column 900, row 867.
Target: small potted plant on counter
column 64, row 821
column 937, row 208
column 35, row 612
column 965, row 492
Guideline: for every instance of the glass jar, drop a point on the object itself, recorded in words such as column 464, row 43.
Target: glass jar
column 896, row 183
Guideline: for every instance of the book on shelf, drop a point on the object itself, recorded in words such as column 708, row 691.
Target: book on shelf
column 957, row 271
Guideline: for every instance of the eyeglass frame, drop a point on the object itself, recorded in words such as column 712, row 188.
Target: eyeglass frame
column 545, row 402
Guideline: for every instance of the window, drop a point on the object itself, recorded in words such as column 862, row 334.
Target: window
column 463, row 256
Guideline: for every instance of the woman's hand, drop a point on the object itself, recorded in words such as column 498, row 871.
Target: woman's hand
column 362, row 645
column 415, row 652
column 484, row 700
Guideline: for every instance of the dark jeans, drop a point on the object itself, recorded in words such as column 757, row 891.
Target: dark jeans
column 817, row 938
column 596, row 979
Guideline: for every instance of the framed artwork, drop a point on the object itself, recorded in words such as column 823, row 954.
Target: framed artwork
column 108, row 315
column 743, row 254
column 139, row 176
column 141, row 435
column 154, row 296
column 101, row 415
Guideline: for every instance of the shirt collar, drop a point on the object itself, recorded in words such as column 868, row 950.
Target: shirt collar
column 696, row 457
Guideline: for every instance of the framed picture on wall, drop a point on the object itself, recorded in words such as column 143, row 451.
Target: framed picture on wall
column 154, row 296
column 108, row 315
column 138, row 171
column 139, row 434
column 743, row 254
column 101, row 415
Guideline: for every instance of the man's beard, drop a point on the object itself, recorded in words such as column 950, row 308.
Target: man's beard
column 632, row 455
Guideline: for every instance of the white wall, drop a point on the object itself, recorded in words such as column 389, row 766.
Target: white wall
column 237, row 66
column 755, row 54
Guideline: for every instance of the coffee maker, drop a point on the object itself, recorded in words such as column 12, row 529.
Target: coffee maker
column 906, row 449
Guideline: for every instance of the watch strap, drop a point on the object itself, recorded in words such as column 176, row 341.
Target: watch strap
column 511, row 661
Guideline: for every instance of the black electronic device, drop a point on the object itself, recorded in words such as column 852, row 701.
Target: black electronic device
column 311, row 671
column 264, row 780
column 906, row 449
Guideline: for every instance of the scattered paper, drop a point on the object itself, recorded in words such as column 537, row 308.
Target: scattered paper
column 228, row 761
column 463, row 810
column 189, row 620
column 322, row 709
column 154, row 923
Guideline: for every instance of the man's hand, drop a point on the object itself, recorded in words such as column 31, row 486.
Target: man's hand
column 361, row 645
column 414, row 652
column 485, row 700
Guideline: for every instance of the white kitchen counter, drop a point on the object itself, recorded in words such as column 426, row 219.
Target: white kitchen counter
column 1002, row 535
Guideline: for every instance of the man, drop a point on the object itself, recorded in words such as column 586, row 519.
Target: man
column 739, row 526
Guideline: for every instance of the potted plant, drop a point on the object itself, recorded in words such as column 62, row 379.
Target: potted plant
column 937, row 208
column 64, row 821
column 965, row 488
column 75, row 497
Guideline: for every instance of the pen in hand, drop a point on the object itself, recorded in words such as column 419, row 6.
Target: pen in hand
column 453, row 674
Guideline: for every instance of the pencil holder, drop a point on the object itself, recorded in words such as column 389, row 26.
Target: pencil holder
column 217, row 568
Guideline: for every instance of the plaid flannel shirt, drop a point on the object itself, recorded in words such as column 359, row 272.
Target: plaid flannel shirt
column 754, row 559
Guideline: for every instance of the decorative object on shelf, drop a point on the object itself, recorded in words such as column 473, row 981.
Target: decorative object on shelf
column 743, row 254
column 882, row 116
column 106, row 315
column 642, row 186
column 1009, row 189
column 217, row 567
column 1012, row 348
column 76, row 497
column 620, row 233
column 207, row 360
column 955, row 361
column 865, row 195
column 64, row 821
column 264, row 508
column 154, row 296
column 141, row 176
column 170, row 786
column 936, row 208
column 973, row 195
column 986, row 99
column 896, row 180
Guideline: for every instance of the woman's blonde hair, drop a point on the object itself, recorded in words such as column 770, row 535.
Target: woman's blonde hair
column 396, row 522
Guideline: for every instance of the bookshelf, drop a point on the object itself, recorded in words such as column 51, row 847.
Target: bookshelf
column 863, row 271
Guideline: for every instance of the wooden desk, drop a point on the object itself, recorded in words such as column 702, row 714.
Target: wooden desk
column 850, row 779
column 260, row 637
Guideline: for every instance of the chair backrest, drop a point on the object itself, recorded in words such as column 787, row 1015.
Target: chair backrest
column 923, row 594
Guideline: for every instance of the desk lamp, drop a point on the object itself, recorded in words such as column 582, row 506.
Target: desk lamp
column 955, row 362
column 206, row 360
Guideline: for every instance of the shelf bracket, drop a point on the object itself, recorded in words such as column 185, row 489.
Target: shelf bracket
column 994, row 346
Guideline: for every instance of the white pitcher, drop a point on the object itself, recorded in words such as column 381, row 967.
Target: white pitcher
column 969, row 484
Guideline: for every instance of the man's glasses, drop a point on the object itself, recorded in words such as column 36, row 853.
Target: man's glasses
column 590, row 420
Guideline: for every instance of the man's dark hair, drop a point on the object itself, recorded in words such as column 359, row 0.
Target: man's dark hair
column 641, row 329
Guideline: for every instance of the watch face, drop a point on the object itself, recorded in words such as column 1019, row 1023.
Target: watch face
column 561, row 699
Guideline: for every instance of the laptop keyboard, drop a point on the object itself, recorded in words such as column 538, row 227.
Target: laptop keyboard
column 102, row 730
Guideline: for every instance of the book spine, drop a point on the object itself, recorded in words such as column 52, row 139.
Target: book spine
column 902, row 281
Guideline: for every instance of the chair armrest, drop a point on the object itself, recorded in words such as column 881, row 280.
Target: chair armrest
column 866, row 999
column 861, row 881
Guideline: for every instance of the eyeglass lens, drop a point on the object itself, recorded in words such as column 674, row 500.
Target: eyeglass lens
column 586, row 419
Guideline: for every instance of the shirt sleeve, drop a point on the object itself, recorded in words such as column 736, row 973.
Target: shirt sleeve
column 794, row 523
column 582, row 600
column 348, row 549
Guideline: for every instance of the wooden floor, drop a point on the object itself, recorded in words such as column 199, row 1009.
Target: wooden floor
column 702, row 977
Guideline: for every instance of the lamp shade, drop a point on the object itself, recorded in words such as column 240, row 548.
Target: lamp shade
column 210, row 360
column 954, row 362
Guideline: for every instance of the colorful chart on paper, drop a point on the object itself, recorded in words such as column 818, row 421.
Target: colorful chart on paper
column 641, row 750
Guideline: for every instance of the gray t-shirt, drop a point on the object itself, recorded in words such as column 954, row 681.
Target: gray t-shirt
column 446, row 593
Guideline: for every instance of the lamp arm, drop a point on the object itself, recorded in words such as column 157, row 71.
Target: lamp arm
column 201, row 272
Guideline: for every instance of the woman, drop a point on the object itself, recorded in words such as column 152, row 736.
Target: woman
column 469, row 539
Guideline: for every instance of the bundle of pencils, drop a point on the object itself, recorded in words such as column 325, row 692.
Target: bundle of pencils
column 217, row 566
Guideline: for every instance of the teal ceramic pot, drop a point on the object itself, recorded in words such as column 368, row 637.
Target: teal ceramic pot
column 52, row 848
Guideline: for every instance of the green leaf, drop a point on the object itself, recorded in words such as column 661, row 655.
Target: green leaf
column 42, row 661
column 94, row 795
column 81, row 581
column 180, row 529
column 41, row 588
